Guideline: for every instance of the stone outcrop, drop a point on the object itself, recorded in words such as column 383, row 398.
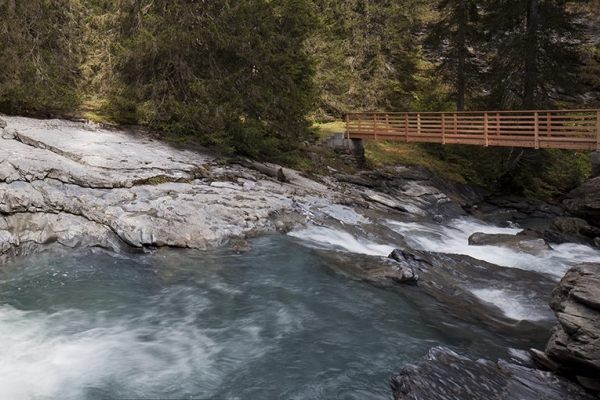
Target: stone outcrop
column 525, row 241
column 458, row 284
column 147, row 194
column 572, row 230
column 444, row 375
column 575, row 344
column 584, row 201
column 503, row 209
column 63, row 182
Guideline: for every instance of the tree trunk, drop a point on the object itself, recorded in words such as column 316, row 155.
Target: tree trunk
column 531, row 73
column 461, row 78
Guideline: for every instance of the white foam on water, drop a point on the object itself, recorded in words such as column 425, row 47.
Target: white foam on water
column 329, row 238
column 60, row 355
column 454, row 239
column 513, row 305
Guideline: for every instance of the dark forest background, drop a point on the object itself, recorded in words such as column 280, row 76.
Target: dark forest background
column 253, row 76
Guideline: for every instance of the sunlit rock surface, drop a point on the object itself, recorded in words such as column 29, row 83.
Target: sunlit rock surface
column 111, row 188
column 444, row 375
column 125, row 189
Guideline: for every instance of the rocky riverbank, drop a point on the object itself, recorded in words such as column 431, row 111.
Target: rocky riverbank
column 72, row 185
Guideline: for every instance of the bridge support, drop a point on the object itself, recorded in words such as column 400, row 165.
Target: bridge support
column 595, row 158
column 352, row 151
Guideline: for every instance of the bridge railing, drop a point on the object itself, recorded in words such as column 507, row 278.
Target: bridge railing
column 564, row 129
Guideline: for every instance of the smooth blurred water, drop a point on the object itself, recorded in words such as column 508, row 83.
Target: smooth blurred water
column 453, row 238
column 266, row 324
column 270, row 323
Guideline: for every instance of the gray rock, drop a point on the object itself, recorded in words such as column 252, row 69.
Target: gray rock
column 568, row 225
column 526, row 243
column 145, row 192
column 576, row 301
column 584, row 201
column 457, row 284
column 444, row 375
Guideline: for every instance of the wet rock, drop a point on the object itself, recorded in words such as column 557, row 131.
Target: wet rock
column 503, row 209
column 576, row 342
column 25, row 233
column 526, row 241
column 584, row 201
column 453, row 287
column 444, row 375
column 568, row 225
column 415, row 190
column 570, row 230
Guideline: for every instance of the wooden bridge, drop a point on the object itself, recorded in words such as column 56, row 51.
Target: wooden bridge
column 564, row 129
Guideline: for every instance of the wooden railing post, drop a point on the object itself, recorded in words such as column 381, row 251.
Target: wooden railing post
column 375, row 125
column 443, row 128
column 536, row 131
column 406, row 125
column 497, row 124
column 455, row 124
column 485, row 129
column 597, row 130
column 347, row 126
column 418, row 123
column 387, row 123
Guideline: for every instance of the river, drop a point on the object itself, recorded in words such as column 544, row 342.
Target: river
column 271, row 322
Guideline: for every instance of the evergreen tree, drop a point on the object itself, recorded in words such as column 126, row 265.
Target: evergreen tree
column 534, row 46
column 367, row 54
column 231, row 73
column 39, row 56
column 455, row 40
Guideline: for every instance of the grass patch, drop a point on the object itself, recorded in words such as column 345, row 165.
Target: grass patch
column 387, row 153
column 327, row 129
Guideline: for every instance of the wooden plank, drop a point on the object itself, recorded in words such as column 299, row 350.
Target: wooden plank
column 598, row 130
column 536, row 133
column 578, row 129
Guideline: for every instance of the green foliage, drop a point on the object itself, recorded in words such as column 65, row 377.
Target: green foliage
column 38, row 59
column 544, row 174
column 367, row 54
column 453, row 39
column 231, row 74
column 533, row 44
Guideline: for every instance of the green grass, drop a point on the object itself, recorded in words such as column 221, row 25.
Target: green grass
column 328, row 129
column 387, row 153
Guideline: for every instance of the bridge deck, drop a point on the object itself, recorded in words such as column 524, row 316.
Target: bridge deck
column 564, row 129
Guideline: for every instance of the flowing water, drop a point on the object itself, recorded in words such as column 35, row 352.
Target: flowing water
column 273, row 322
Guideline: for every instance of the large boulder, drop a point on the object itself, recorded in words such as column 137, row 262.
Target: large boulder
column 444, row 375
column 511, row 301
column 584, row 201
column 575, row 343
column 526, row 241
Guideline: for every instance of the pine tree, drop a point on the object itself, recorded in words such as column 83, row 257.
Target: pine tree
column 230, row 73
column 533, row 44
column 367, row 54
column 455, row 39
column 39, row 56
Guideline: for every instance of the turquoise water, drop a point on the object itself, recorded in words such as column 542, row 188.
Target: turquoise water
column 271, row 323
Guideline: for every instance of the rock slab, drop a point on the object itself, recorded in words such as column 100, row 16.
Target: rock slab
column 575, row 344
column 444, row 375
